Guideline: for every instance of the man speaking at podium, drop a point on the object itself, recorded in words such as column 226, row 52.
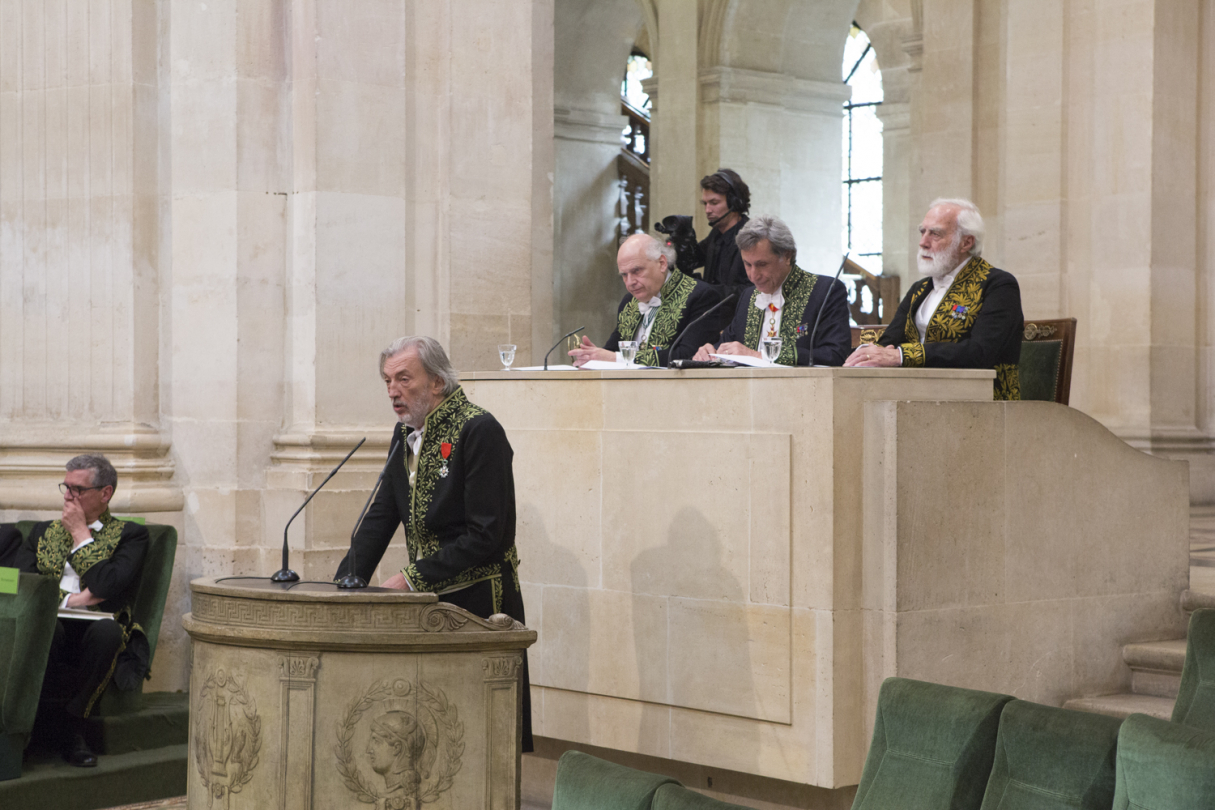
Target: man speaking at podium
column 449, row 481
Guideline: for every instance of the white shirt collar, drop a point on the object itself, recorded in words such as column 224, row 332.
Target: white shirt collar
column 946, row 280
column 656, row 301
column 414, row 440
column 96, row 525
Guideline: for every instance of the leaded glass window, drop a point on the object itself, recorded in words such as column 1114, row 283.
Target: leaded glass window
column 862, row 191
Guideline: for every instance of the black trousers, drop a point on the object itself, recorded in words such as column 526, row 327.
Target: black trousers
column 479, row 600
column 81, row 659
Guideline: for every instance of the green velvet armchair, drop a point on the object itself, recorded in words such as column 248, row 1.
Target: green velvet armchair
column 1052, row 759
column 148, row 611
column 585, row 782
column 27, row 624
column 1164, row 766
column 932, row 748
column 1195, row 704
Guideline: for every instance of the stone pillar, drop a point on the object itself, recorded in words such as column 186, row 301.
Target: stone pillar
column 79, row 324
column 586, row 284
column 782, row 135
column 674, row 175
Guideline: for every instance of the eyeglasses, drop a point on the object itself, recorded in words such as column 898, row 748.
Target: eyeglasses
column 65, row 488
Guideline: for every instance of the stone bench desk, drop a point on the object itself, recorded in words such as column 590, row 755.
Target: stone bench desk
column 312, row 697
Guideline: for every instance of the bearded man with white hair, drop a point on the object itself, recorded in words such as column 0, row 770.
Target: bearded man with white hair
column 964, row 314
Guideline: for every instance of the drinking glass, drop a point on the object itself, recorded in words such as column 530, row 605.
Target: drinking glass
column 770, row 348
column 506, row 351
column 628, row 350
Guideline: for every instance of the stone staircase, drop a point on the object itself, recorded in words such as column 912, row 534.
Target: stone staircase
column 1155, row 674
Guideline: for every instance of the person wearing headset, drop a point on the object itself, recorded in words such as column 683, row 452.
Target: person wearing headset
column 726, row 199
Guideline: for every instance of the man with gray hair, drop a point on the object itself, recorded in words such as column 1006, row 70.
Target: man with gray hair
column 97, row 559
column 963, row 314
column 783, row 303
column 660, row 302
column 449, row 482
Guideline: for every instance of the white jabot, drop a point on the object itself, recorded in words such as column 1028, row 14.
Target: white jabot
column 646, row 306
column 70, row 581
column 766, row 302
column 414, row 440
column 940, row 286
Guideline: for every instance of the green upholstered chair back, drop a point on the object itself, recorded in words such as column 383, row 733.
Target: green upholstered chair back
column 1195, row 704
column 932, row 747
column 1052, row 759
column 1164, row 766
column 678, row 797
column 585, row 782
column 1045, row 368
column 27, row 624
column 148, row 611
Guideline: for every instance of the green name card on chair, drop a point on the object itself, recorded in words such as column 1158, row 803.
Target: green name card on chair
column 8, row 580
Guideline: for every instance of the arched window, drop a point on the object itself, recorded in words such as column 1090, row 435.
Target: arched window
column 862, row 226
column 633, row 165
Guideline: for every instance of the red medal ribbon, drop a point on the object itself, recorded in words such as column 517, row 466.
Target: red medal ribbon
column 773, row 307
column 445, row 449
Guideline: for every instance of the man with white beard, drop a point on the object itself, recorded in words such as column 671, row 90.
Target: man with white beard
column 963, row 314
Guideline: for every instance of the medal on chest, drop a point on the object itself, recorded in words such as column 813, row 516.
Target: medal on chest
column 773, row 308
column 445, row 451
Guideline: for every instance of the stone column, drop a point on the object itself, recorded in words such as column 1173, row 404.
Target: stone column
column 674, row 175
column 79, row 324
column 782, row 135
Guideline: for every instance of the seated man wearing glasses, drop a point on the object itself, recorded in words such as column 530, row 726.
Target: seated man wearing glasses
column 97, row 559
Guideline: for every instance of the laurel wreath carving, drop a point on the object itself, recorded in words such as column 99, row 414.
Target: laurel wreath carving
column 241, row 750
column 436, row 704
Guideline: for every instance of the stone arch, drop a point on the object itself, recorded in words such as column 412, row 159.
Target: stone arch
column 788, row 37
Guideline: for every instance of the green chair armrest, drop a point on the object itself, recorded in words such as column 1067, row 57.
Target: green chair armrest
column 585, row 782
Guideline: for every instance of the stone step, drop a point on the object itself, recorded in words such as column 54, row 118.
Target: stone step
column 1193, row 600
column 1156, row 666
column 49, row 783
column 1123, row 705
column 163, row 720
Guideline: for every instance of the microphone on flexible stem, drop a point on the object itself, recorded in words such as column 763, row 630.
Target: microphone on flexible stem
column 285, row 574
column 558, row 343
column 353, row 581
column 728, row 299
column 823, row 306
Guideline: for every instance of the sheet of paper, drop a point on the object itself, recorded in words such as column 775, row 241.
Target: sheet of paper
column 8, row 580
column 744, row 360
column 80, row 613
column 551, row 367
column 611, row 365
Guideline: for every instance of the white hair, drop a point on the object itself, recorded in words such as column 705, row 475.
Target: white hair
column 655, row 248
column 430, row 353
column 970, row 221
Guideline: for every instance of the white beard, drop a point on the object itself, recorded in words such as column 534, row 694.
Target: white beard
column 939, row 264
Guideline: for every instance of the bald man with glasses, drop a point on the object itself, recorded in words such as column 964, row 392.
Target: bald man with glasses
column 97, row 559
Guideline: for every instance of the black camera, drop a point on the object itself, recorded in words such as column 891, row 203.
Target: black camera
column 682, row 237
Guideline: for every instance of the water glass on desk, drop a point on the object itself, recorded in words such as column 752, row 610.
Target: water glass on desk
column 506, row 351
column 770, row 349
column 628, row 350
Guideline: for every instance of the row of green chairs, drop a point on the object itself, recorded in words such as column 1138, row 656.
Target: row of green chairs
column 585, row 782
column 944, row 748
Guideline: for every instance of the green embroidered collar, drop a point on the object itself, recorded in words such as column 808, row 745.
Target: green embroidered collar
column 55, row 548
column 797, row 289
column 674, row 294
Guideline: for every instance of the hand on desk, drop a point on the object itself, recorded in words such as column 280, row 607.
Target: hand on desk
column 396, row 582
column 589, row 351
column 872, row 355
column 733, row 347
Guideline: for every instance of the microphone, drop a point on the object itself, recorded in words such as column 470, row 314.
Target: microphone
column 285, row 574
column 352, row 580
column 558, row 343
column 728, row 299
column 823, row 306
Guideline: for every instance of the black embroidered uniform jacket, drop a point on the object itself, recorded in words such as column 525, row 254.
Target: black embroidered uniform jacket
column 459, row 518
column 804, row 295
column 684, row 299
column 978, row 324
column 109, row 567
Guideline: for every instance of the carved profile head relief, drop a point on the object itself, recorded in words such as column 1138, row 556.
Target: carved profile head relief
column 395, row 749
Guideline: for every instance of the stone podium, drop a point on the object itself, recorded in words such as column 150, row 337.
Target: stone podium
column 313, row 697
